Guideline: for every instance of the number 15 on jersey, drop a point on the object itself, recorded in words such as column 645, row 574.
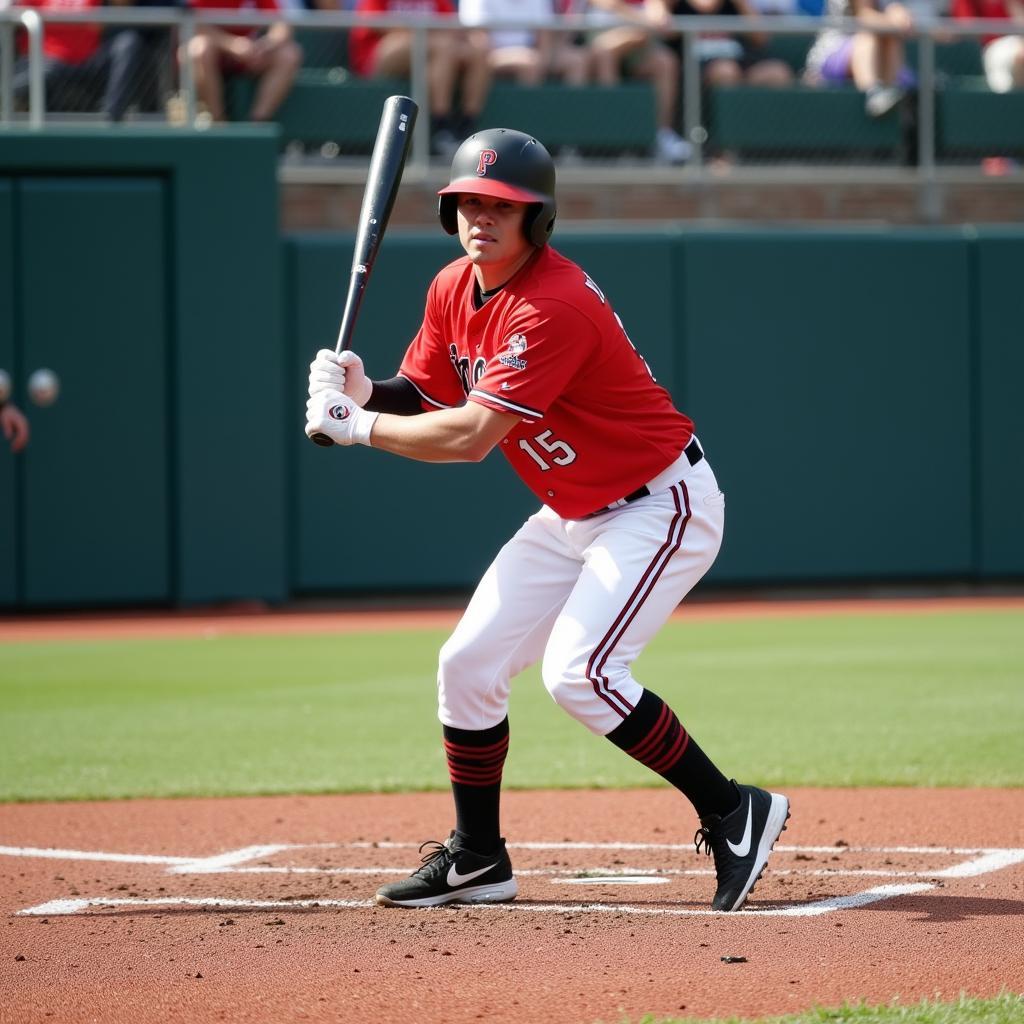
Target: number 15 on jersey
column 565, row 455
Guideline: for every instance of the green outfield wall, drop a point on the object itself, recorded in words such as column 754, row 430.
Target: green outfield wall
column 856, row 390
column 144, row 268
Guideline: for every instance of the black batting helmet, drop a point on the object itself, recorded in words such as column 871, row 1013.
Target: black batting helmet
column 505, row 164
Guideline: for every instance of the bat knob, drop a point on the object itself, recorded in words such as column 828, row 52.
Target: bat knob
column 321, row 439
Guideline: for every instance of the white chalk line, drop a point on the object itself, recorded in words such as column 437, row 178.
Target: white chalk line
column 55, row 908
column 779, row 847
column 115, row 858
column 983, row 861
column 231, row 858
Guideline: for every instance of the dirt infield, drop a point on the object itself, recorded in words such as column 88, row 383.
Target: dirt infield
column 258, row 910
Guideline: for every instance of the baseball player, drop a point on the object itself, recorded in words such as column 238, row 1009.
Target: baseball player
column 519, row 349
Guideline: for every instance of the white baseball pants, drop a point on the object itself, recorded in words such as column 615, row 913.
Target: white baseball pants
column 585, row 597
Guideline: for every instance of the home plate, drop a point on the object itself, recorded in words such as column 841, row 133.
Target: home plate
column 612, row 880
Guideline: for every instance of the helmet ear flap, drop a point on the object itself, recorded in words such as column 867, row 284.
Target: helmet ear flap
column 447, row 212
column 539, row 222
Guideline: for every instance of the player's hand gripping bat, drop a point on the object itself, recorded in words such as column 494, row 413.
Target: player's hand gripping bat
column 394, row 136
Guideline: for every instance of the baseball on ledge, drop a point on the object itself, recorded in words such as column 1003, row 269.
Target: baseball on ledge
column 43, row 387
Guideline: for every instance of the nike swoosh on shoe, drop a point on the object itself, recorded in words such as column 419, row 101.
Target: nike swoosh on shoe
column 742, row 848
column 455, row 879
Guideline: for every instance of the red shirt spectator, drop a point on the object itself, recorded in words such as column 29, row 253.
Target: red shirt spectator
column 64, row 41
column 981, row 9
column 236, row 5
column 363, row 41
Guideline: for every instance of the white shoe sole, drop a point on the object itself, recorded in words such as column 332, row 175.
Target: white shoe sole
column 774, row 825
column 495, row 892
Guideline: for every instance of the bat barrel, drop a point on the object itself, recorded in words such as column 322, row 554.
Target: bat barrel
column 390, row 149
column 394, row 139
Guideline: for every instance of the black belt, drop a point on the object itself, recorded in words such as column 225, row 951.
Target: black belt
column 693, row 453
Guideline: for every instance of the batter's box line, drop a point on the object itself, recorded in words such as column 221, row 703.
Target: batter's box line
column 981, row 860
column 64, row 907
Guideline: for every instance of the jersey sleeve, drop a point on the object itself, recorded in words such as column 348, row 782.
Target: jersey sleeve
column 546, row 343
column 427, row 364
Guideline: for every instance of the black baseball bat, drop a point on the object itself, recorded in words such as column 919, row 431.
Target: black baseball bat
column 394, row 137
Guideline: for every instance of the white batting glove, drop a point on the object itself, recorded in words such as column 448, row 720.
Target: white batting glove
column 345, row 373
column 337, row 416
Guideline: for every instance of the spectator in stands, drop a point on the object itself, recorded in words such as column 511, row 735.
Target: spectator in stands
column 529, row 56
column 143, row 55
column 1002, row 56
column 730, row 59
column 873, row 62
column 455, row 57
column 272, row 56
column 82, row 70
column 638, row 44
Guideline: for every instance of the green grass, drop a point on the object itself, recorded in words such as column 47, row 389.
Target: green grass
column 1007, row 1008
column 834, row 700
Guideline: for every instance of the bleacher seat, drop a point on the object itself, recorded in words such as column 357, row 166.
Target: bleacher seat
column 325, row 105
column 330, row 105
column 973, row 121
column 598, row 118
column 800, row 122
column 957, row 59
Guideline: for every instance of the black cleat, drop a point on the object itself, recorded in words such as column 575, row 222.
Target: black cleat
column 741, row 842
column 453, row 874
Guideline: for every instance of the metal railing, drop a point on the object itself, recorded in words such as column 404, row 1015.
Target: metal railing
column 183, row 24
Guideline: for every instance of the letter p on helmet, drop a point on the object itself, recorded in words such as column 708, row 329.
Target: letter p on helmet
column 487, row 157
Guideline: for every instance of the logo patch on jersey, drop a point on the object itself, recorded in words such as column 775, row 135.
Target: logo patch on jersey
column 487, row 157
column 516, row 347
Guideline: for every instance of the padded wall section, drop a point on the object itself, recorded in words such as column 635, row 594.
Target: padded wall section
column 1000, row 339
column 94, row 310
column 829, row 376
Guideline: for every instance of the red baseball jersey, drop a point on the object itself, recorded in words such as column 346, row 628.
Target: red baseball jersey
column 69, row 42
column 362, row 42
column 594, row 425
column 981, row 9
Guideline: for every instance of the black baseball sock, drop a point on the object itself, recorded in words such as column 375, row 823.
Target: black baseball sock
column 475, row 762
column 653, row 735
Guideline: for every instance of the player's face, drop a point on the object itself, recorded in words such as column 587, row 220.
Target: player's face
column 491, row 232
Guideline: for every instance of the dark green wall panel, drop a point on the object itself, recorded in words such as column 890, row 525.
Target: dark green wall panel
column 855, row 390
column 8, row 465
column 1000, row 339
column 93, row 309
column 225, row 325
column 829, row 379
column 230, row 375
